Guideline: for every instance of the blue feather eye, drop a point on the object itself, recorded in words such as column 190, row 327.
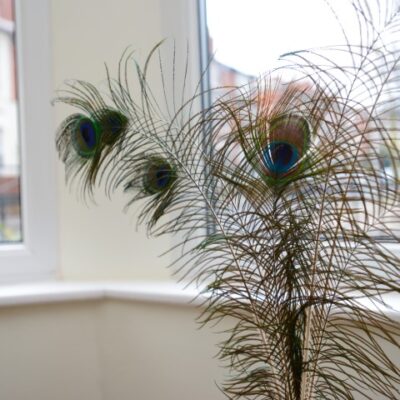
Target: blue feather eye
column 280, row 157
column 159, row 176
column 288, row 140
column 85, row 137
column 153, row 177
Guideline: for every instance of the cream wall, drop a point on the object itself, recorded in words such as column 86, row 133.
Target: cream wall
column 100, row 242
column 50, row 352
column 158, row 352
column 106, row 350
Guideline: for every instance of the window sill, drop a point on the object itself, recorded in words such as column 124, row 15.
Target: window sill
column 152, row 292
column 58, row 292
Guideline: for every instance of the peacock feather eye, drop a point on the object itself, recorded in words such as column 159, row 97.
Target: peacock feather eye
column 280, row 157
column 112, row 124
column 287, row 141
column 85, row 137
column 158, row 176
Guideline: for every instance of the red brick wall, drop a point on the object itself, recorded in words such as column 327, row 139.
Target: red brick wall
column 7, row 13
column 7, row 10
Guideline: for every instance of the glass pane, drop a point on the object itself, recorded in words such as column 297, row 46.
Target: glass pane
column 247, row 38
column 10, row 211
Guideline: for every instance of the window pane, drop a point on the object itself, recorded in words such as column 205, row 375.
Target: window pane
column 247, row 38
column 10, row 212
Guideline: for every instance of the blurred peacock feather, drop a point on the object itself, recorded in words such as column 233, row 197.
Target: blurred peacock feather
column 301, row 193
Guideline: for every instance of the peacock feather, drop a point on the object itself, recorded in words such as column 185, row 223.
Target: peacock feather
column 286, row 222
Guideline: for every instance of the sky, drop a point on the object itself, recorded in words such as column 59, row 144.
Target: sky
column 250, row 35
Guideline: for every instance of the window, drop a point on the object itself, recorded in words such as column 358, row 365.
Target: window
column 245, row 39
column 10, row 214
column 28, row 252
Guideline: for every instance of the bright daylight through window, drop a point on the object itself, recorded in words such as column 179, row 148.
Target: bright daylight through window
column 264, row 43
column 10, row 213
column 28, row 232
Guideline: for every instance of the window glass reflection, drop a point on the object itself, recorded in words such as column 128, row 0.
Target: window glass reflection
column 10, row 212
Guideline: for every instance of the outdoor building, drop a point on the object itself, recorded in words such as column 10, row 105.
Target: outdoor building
column 9, row 147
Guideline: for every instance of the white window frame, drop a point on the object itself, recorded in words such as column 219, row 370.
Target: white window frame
column 36, row 257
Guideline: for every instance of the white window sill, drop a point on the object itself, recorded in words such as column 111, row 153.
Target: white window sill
column 56, row 292
column 167, row 293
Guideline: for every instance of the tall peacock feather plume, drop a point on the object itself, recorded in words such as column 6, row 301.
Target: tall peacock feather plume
column 301, row 194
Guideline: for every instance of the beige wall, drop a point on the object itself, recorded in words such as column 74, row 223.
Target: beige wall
column 106, row 351
column 50, row 352
column 158, row 352
column 100, row 242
